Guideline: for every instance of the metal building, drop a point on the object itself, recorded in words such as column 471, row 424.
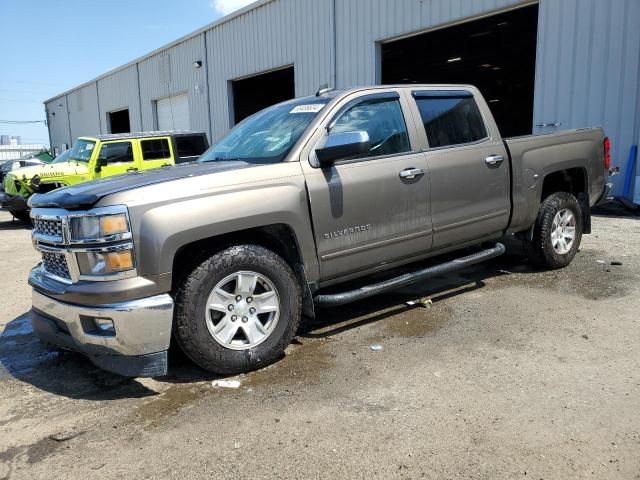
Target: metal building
column 543, row 65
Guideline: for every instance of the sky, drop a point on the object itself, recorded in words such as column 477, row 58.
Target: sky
column 49, row 46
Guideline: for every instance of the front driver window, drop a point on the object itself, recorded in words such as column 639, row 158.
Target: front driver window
column 119, row 152
column 382, row 119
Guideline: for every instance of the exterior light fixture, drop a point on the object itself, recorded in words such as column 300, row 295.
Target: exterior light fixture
column 197, row 64
column 454, row 59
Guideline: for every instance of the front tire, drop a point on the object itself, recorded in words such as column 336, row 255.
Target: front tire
column 238, row 310
column 557, row 231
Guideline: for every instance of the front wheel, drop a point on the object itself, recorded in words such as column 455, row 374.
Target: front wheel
column 557, row 232
column 238, row 310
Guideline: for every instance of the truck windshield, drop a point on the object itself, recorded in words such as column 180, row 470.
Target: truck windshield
column 82, row 150
column 267, row 136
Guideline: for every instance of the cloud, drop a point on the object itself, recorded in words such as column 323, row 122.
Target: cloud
column 225, row 7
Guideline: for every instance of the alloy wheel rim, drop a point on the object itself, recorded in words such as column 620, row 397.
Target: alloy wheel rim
column 563, row 231
column 242, row 310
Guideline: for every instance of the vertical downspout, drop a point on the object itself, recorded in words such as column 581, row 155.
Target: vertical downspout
column 206, row 81
column 48, row 124
column 139, row 96
column 99, row 111
column 66, row 101
column 335, row 45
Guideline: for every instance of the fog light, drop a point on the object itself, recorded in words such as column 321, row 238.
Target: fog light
column 105, row 326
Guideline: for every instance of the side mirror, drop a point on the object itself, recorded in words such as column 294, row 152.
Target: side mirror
column 342, row 146
column 101, row 162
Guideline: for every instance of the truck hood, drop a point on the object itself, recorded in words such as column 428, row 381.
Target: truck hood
column 87, row 194
column 51, row 170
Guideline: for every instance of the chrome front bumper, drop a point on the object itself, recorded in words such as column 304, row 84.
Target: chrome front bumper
column 137, row 345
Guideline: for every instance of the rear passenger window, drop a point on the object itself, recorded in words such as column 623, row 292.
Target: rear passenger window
column 450, row 118
column 190, row 145
column 118, row 152
column 155, row 149
column 382, row 119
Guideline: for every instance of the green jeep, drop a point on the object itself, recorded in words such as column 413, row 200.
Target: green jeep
column 98, row 157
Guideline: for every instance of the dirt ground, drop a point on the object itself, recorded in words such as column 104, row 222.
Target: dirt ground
column 511, row 373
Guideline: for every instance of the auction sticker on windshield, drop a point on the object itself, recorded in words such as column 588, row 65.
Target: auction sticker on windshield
column 309, row 108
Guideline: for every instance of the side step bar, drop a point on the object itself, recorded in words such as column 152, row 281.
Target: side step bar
column 336, row 299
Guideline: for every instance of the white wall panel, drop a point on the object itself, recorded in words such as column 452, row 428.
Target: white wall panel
column 84, row 117
column 58, row 121
column 588, row 70
column 275, row 34
column 117, row 91
column 171, row 72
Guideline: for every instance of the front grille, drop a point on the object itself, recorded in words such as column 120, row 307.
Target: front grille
column 56, row 264
column 51, row 228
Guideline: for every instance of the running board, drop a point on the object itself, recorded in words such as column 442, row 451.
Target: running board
column 336, row 299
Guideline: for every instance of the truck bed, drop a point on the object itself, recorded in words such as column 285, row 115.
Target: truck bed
column 534, row 157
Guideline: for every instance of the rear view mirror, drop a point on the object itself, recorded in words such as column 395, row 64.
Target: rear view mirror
column 342, row 146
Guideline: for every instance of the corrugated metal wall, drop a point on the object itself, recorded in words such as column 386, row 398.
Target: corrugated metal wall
column 58, row 122
column 588, row 70
column 276, row 34
column 84, row 117
column 171, row 72
column 117, row 91
column 587, row 67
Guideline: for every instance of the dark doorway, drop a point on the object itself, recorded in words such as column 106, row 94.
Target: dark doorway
column 497, row 54
column 119, row 121
column 260, row 91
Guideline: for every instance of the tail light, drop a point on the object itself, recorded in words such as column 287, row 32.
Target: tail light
column 607, row 153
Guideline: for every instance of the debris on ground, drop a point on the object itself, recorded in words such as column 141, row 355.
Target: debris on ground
column 586, row 337
column 226, row 383
column 616, row 263
column 376, row 347
column 64, row 436
column 422, row 302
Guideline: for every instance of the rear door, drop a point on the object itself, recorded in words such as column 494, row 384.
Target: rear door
column 119, row 158
column 156, row 152
column 468, row 164
column 366, row 212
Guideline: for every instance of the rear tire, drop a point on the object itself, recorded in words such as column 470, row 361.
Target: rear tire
column 557, row 231
column 238, row 310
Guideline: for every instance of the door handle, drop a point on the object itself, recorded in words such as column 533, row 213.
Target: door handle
column 132, row 169
column 494, row 159
column 411, row 172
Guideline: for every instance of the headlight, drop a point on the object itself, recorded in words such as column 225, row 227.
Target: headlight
column 104, row 263
column 97, row 227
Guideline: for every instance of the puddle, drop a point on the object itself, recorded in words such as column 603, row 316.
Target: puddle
column 585, row 277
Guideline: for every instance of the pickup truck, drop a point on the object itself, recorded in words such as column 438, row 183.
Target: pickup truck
column 226, row 254
column 99, row 157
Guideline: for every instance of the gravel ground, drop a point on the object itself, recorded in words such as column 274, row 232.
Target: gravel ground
column 511, row 373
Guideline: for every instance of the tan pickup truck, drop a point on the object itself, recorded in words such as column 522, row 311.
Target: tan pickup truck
column 226, row 254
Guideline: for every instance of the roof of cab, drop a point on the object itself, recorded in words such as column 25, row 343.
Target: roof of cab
column 121, row 136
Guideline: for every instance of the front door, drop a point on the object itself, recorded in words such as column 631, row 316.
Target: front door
column 469, row 168
column 374, row 209
column 116, row 158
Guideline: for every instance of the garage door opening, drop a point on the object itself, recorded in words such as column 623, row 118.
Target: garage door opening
column 260, row 91
column 119, row 121
column 497, row 54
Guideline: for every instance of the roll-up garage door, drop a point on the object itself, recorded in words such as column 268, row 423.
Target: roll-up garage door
column 173, row 113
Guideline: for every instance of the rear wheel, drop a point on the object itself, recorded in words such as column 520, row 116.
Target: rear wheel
column 557, row 232
column 238, row 310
